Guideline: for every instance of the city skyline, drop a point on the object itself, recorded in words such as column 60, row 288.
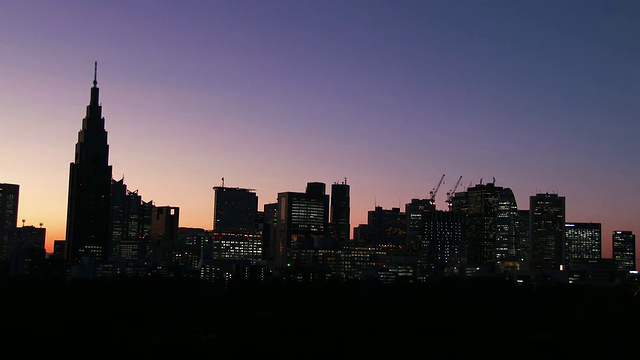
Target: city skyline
column 259, row 116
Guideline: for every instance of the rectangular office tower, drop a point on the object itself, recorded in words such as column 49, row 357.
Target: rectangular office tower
column 624, row 249
column 8, row 216
column 236, row 241
column 340, row 212
column 88, row 206
column 547, row 231
column 163, row 235
column 302, row 219
column 583, row 241
column 234, row 210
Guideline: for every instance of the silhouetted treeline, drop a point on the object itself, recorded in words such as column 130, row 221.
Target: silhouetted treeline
column 451, row 318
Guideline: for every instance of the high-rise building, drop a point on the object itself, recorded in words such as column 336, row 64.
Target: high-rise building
column 386, row 227
column 441, row 248
column 8, row 216
column 479, row 208
column 506, row 247
column 130, row 225
column 547, row 231
column 235, row 210
column 416, row 211
column 302, row 218
column 623, row 244
column 523, row 246
column 164, row 248
column 88, row 204
column 27, row 252
column 269, row 231
column 340, row 211
column 236, row 241
column 582, row 241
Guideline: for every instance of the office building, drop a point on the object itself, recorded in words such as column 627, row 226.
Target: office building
column 506, row 246
column 340, row 211
column 624, row 249
column 386, row 228
column 478, row 206
column 88, row 232
column 416, row 211
column 547, row 231
column 130, row 229
column 9, row 194
column 269, row 231
column 302, row 219
column 582, row 241
column 164, row 247
column 237, row 239
column 234, row 210
column 27, row 251
column 523, row 247
column 441, row 248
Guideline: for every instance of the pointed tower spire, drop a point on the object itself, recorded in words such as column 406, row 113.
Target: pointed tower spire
column 95, row 74
column 95, row 92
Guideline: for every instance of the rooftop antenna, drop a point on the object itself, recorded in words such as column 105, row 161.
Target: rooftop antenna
column 95, row 74
column 222, row 181
column 23, row 220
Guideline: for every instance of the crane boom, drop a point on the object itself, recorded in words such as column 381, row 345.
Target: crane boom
column 432, row 193
column 452, row 192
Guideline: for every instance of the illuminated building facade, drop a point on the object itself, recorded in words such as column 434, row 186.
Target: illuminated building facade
column 237, row 238
column 302, row 218
column 583, row 241
column 441, row 247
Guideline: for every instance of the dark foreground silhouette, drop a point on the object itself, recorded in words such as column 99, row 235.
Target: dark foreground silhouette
column 444, row 319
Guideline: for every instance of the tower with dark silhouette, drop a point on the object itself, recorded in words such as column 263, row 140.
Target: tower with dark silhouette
column 340, row 211
column 8, row 216
column 90, row 175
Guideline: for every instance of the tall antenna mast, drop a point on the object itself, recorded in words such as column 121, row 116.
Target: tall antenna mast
column 95, row 74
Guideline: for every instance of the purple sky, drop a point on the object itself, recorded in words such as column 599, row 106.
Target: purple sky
column 541, row 95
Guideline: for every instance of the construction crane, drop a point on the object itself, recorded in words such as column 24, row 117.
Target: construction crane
column 451, row 193
column 432, row 193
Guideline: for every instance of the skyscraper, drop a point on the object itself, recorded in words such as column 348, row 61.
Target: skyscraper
column 88, row 205
column 302, row 217
column 441, row 248
column 583, row 241
column 8, row 216
column 479, row 207
column 547, row 231
column 234, row 210
column 236, row 239
column 507, row 231
column 386, row 227
column 340, row 211
column 624, row 249
column 163, row 237
column 416, row 212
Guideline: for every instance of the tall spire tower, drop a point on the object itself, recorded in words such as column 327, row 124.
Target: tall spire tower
column 89, row 187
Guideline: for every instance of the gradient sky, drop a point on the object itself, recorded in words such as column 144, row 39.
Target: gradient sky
column 540, row 95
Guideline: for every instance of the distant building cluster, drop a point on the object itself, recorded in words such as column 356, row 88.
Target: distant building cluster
column 304, row 236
